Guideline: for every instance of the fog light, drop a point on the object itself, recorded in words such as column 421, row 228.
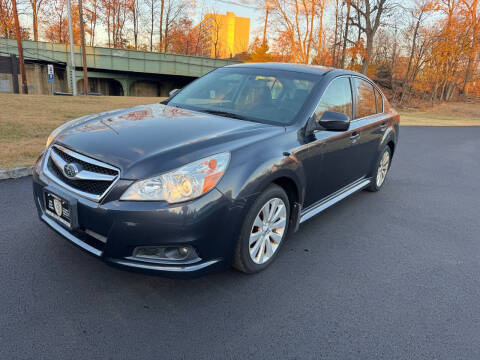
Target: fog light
column 175, row 253
column 183, row 251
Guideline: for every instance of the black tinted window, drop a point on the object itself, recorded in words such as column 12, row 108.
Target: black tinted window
column 366, row 98
column 337, row 97
column 378, row 96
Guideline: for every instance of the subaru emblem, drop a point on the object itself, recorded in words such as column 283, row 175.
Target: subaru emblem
column 70, row 170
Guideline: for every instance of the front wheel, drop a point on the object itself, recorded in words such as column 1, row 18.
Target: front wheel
column 382, row 167
column 263, row 231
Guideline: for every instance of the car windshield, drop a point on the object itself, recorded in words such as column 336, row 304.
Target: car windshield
column 262, row 95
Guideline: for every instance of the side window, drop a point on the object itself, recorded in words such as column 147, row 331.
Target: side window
column 366, row 98
column 379, row 99
column 337, row 97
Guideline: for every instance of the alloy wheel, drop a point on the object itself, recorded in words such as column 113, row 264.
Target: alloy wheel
column 383, row 168
column 267, row 230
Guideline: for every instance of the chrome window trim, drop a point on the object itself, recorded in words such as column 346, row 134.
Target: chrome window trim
column 56, row 180
column 326, row 88
column 351, row 77
column 376, row 88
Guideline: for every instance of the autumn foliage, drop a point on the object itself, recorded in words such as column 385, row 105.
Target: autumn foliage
column 417, row 50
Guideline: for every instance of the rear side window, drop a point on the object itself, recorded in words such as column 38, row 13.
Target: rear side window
column 337, row 97
column 379, row 99
column 366, row 98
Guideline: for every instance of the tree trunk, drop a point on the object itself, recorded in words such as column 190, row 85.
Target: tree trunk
column 18, row 35
column 265, row 27
column 320, row 31
column 84, row 55
column 473, row 49
column 165, row 40
column 162, row 6
column 412, row 53
column 35, row 24
column 151, row 28
column 366, row 59
column 135, row 26
column 345, row 37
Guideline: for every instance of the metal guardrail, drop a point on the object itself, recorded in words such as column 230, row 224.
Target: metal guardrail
column 117, row 59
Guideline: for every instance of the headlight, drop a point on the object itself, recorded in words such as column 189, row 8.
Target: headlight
column 54, row 134
column 186, row 183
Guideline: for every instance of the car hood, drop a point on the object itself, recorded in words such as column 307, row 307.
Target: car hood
column 147, row 140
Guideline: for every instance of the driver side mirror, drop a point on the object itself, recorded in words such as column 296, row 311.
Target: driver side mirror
column 334, row 121
column 173, row 92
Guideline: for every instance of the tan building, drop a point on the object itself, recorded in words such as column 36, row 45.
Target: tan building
column 224, row 36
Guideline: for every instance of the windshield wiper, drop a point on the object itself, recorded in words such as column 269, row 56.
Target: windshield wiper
column 224, row 113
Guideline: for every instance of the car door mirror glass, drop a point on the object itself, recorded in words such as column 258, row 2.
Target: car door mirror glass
column 334, row 121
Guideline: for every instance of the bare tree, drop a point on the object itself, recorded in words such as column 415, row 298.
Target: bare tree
column 174, row 11
column 370, row 14
column 37, row 7
column 152, row 6
column 162, row 9
column 134, row 8
column 474, row 37
column 345, row 34
column 417, row 15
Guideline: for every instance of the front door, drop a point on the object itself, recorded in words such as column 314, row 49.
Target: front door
column 330, row 160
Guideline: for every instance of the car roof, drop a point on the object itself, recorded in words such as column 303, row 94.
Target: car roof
column 308, row 69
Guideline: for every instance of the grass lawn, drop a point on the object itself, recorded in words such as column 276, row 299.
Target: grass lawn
column 448, row 114
column 26, row 121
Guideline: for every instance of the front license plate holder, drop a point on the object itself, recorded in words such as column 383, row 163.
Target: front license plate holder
column 61, row 208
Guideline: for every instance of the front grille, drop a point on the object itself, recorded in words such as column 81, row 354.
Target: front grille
column 89, row 169
column 85, row 165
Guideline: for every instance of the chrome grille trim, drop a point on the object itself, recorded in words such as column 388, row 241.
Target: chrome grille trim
column 85, row 158
column 83, row 175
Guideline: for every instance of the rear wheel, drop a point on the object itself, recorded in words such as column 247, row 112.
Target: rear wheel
column 382, row 167
column 263, row 232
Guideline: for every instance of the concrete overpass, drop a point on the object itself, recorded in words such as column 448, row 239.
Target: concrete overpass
column 113, row 71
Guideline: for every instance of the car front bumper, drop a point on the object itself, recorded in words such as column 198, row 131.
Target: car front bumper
column 112, row 229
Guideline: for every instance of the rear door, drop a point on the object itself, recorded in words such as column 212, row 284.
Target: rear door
column 368, row 125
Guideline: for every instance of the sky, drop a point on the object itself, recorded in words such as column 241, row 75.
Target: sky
column 243, row 8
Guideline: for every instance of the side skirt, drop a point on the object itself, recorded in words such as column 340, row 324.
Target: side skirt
column 333, row 199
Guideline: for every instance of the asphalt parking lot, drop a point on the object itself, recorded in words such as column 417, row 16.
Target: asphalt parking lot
column 391, row 275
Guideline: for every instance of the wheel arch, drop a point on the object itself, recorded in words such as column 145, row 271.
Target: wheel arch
column 295, row 196
column 391, row 145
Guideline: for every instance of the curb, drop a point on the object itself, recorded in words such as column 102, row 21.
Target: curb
column 16, row 172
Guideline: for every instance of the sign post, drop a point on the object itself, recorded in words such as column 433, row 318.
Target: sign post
column 51, row 77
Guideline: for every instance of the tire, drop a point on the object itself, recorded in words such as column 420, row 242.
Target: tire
column 381, row 167
column 248, row 256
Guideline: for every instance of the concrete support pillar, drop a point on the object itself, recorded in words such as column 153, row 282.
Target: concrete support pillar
column 126, row 83
column 15, row 70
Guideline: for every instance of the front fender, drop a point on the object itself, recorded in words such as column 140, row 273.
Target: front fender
column 252, row 178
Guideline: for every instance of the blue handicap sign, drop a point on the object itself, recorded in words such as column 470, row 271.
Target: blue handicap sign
column 50, row 74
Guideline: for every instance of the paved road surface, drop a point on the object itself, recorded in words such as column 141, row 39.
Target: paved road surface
column 392, row 275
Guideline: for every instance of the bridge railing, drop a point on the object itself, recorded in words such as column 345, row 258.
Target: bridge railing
column 117, row 59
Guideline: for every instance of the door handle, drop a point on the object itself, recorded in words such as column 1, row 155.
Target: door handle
column 383, row 127
column 354, row 136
